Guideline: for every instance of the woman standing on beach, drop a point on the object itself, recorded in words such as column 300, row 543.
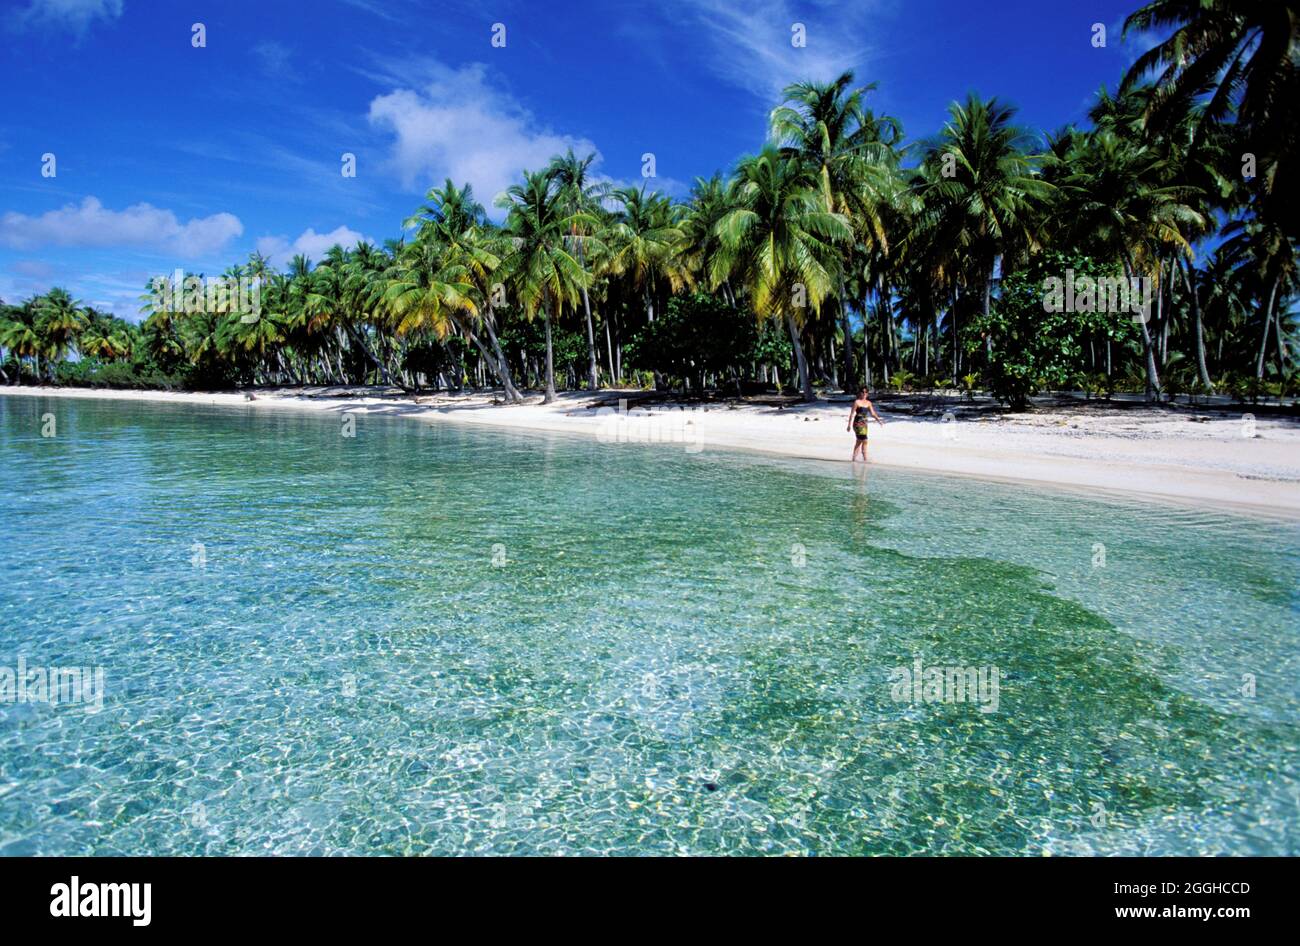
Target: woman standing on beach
column 858, row 423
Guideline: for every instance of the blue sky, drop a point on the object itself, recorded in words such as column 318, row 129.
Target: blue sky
column 170, row 156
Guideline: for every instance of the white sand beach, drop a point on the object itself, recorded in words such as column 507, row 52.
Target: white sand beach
column 1201, row 457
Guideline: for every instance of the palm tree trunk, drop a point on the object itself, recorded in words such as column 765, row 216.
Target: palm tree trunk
column 1163, row 317
column 549, row 397
column 887, row 324
column 956, row 303
column 866, row 346
column 1153, row 375
column 1268, row 319
column 499, row 368
column 805, row 383
column 956, row 356
column 1194, row 296
column 618, row 348
column 656, row 378
column 593, row 380
column 396, row 358
column 1282, row 354
column 1148, row 346
column 502, row 364
column 609, row 350
column 365, row 349
column 988, row 298
column 338, row 353
column 850, row 364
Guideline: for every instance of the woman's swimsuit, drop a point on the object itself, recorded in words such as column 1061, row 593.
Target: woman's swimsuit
column 860, row 424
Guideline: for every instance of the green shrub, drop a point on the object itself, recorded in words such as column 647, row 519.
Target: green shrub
column 1031, row 348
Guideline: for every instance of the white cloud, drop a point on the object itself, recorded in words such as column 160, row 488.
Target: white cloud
column 457, row 125
column 750, row 45
column 141, row 226
column 77, row 15
column 310, row 244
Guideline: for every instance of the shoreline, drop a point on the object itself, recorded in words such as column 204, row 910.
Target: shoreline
column 1202, row 460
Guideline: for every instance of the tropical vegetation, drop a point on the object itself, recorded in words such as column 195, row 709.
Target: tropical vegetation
column 838, row 253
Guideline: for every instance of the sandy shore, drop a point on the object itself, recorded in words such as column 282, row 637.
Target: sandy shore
column 1192, row 457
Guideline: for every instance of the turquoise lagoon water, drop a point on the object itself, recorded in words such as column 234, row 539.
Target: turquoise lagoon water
column 434, row 640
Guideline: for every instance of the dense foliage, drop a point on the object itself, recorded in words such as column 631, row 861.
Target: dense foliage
column 701, row 336
column 1032, row 345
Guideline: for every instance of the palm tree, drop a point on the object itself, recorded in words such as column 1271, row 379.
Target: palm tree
column 545, row 275
column 323, row 309
column 342, row 296
column 426, row 290
column 1117, row 196
column 201, row 334
column 365, row 280
column 61, row 319
column 980, row 188
column 1241, row 55
column 457, row 225
column 1240, row 50
column 19, row 334
column 643, row 242
column 700, row 250
column 783, row 242
column 259, row 336
column 581, row 196
column 1198, row 154
column 104, row 337
column 1190, row 154
column 851, row 152
column 1262, row 249
column 284, row 297
column 160, row 329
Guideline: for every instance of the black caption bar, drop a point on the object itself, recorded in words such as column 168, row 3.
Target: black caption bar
column 148, row 896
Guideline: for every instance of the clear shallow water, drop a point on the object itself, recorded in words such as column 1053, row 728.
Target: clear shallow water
column 681, row 653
